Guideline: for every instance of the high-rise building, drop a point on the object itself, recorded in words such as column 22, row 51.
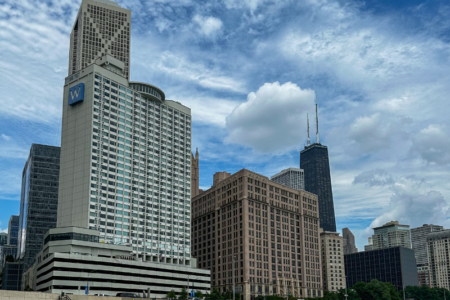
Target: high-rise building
column 39, row 200
column 12, row 276
column 291, row 177
column 396, row 265
column 419, row 245
column 391, row 234
column 101, row 27
column 438, row 245
column 3, row 238
column 314, row 161
column 13, row 230
column 349, row 241
column 195, row 174
column 264, row 232
column 125, row 162
column 333, row 267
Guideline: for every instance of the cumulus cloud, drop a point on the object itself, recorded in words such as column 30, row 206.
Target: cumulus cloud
column 273, row 119
column 432, row 144
column 414, row 203
column 208, row 26
column 377, row 177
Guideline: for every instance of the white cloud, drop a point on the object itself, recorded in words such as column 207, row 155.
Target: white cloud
column 414, row 203
column 208, row 26
column 432, row 144
column 5, row 137
column 377, row 177
column 273, row 120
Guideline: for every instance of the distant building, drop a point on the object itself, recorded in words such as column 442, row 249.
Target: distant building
column 333, row 267
column 5, row 251
column 396, row 265
column 438, row 245
column 369, row 246
column 3, row 238
column 39, row 200
column 315, row 163
column 391, row 234
column 13, row 230
column 265, row 228
column 419, row 245
column 79, row 256
column 349, row 241
column 292, row 177
column 195, row 174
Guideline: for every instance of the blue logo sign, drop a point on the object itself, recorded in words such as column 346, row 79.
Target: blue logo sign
column 76, row 94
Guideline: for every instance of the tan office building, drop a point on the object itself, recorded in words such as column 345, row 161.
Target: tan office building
column 438, row 244
column 270, row 231
column 333, row 267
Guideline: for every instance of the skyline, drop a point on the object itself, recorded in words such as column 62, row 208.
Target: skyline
column 360, row 61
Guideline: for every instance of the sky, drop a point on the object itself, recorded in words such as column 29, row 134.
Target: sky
column 251, row 70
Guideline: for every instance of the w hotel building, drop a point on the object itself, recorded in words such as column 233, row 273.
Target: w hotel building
column 268, row 231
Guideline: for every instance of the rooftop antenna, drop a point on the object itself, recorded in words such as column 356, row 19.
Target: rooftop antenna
column 317, row 126
column 307, row 121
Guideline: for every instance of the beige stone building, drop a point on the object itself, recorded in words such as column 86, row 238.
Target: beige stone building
column 438, row 244
column 101, row 27
column 269, row 231
column 333, row 267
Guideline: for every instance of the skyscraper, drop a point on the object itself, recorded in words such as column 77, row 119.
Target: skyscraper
column 391, row 234
column 39, row 200
column 291, row 177
column 419, row 245
column 438, row 244
column 349, row 241
column 314, row 161
column 3, row 238
column 101, row 27
column 333, row 268
column 13, row 230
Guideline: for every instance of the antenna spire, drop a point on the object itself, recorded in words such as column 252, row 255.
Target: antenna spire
column 307, row 121
column 317, row 126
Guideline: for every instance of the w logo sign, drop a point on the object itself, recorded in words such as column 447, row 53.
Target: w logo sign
column 76, row 94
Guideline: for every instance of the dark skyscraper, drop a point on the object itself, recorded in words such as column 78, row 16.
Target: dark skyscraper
column 13, row 230
column 39, row 200
column 314, row 161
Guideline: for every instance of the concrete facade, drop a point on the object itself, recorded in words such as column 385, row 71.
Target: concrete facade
column 101, row 27
column 74, row 258
column 269, row 232
column 291, row 177
column 333, row 267
column 349, row 241
column 438, row 244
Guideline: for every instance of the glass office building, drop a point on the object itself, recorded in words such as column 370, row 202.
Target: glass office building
column 396, row 265
column 39, row 200
column 12, row 276
column 314, row 161
column 3, row 238
column 13, row 230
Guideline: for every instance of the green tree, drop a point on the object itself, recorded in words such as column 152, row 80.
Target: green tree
column 171, row 295
column 199, row 294
column 352, row 294
column 9, row 258
column 215, row 295
column 183, row 294
column 27, row 288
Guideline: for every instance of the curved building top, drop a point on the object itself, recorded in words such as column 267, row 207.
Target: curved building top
column 148, row 91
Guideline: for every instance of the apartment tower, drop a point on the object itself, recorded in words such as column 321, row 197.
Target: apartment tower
column 438, row 245
column 39, row 200
column 419, row 245
column 101, row 27
column 391, row 234
column 264, row 232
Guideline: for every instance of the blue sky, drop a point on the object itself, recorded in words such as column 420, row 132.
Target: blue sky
column 250, row 71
